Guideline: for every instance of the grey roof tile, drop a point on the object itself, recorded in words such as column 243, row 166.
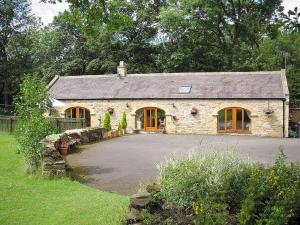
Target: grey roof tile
column 229, row 85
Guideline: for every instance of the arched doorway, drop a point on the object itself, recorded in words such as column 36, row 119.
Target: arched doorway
column 79, row 113
column 150, row 119
column 234, row 120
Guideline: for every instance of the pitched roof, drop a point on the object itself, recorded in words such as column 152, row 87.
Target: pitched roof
column 221, row 85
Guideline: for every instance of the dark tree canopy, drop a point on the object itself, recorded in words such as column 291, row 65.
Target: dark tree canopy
column 151, row 36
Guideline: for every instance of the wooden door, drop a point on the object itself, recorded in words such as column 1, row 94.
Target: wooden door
column 150, row 118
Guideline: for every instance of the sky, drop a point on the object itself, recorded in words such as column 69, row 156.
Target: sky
column 47, row 11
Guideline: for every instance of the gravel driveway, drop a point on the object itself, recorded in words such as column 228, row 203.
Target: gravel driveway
column 120, row 164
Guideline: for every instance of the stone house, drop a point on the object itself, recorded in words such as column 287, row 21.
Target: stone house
column 248, row 103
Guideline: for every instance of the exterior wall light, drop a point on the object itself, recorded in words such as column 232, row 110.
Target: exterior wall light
column 194, row 111
column 110, row 110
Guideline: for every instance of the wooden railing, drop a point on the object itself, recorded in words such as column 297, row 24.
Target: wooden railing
column 8, row 124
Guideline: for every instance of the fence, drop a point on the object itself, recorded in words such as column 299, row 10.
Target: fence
column 62, row 124
column 8, row 124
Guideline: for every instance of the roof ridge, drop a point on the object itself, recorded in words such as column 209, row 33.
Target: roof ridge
column 176, row 74
column 207, row 73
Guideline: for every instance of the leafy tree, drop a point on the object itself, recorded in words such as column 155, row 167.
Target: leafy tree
column 16, row 21
column 106, row 122
column 31, row 105
column 292, row 20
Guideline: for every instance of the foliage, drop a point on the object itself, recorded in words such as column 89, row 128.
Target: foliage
column 16, row 23
column 106, row 122
column 292, row 20
column 272, row 195
column 31, row 105
column 123, row 121
column 223, row 188
column 204, row 176
column 152, row 36
column 25, row 199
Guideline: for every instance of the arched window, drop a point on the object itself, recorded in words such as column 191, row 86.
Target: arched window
column 79, row 113
column 235, row 120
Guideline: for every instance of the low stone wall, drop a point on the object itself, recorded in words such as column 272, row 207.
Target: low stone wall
column 140, row 202
column 53, row 163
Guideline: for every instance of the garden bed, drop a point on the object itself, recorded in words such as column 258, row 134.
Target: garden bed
column 221, row 188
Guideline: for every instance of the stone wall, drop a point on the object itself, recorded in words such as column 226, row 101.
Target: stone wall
column 178, row 114
column 53, row 163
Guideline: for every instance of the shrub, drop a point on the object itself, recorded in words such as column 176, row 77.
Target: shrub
column 272, row 195
column 106, row 122
column 211, row 184
column 123, row 121
column 222, row 188
column 31, row 105
column 201, row 176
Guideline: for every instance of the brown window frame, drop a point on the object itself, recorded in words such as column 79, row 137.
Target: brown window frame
column 69, row 110
column 234, row 121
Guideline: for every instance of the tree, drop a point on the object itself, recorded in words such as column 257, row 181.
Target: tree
column 292, row 20
column 15, row 22
column 31, row 105
column 215, row 35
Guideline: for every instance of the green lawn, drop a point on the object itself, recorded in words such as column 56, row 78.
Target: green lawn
column 31, row 200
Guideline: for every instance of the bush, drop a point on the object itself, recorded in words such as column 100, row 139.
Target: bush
column 123, row 121
column 106, row 122
column 31, row 105
column 222, row 188
column 202, row 176
column 272, row 195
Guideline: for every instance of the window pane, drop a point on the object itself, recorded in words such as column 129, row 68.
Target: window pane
column 221, row 120
column 239, row 119
column 81, row 115
column 68, row 111
column 148, row 118
column 160, row 118
column 153, row 117
column 229, row 119
column 87, row 118
column 247, row 120
column 74, row 113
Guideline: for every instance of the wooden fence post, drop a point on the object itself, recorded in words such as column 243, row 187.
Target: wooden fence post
column 58, row 125
column 10, row 125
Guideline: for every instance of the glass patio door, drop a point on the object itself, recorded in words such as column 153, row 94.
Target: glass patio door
column 150, row 117
column 234, row 120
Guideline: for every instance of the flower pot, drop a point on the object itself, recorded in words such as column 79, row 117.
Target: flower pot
column 64, row 147
column 63, row 150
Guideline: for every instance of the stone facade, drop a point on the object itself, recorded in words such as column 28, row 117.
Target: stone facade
column 179, row 119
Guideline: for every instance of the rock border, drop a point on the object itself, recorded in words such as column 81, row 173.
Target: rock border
column 53, row 163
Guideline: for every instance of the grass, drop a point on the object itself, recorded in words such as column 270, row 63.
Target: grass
column 33, row 200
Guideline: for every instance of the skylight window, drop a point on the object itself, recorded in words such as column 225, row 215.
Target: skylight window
column 185, row 89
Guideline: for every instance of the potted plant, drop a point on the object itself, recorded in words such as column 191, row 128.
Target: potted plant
column 124, row 122
column 120, row 130
column 63, row 147
column 106, row 124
